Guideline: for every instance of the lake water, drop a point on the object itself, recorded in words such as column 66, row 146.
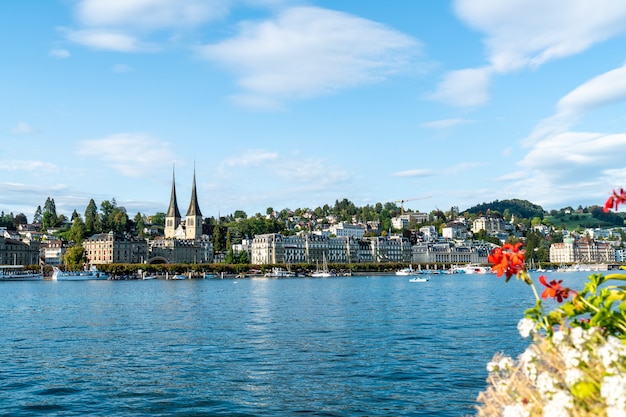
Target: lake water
column 358, row 346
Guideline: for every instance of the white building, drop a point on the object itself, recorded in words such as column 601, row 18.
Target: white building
column 347, row 230
column 490, row 224
column 581, row 251
column 403, row 221
column 454, row 230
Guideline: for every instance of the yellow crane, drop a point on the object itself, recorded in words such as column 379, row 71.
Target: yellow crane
column 409, row 199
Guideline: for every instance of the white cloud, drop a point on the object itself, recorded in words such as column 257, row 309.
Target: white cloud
column 149, row 14
column 23, row 128
column 26, row 165
column 132, row 154
column 251, row 158
column 607, row 88
column 603, row 90
column 106, row 40
column 59, row 53
column 467, row 87
column 447, row 123
column 561, row 162
column 528, row 33
column 283, row 169
column 414, row 173
column 309, row 51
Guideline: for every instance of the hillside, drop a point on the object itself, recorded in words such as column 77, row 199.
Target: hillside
column 518, row 208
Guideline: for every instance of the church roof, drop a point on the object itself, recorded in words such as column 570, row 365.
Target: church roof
column 194, row 207
column 172, row 211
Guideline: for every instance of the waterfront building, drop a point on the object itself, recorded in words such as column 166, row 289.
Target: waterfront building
column 274, row 248
column 52, row 251
column 172, row 217
column 198, row 251
column 450, row 253
column 109, row 248
column 184, row 241
column 17, row 252
column 582, row 251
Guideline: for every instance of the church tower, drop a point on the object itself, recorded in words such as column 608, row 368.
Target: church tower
column 193, row 219
column 172, row 217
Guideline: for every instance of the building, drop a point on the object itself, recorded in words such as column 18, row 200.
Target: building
column 17, row 252
column 52, row 251
column 403, row 221
column 582, row 251
column 184, row 241
column 109, row 248
column 192, row 225
column 180, row 251
column 449, row 253
column 454, row 230
column 274, row 248
column 490, row 224
column 347, row 229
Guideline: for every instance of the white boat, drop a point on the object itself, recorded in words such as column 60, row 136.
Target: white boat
column 407, row 271
column 18, row 273
column 324, row 272
column 419, row 279
column 279, row 273
column 472, row 269
column 91, row 274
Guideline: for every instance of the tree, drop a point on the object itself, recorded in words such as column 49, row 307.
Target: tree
column 49, row 218
column 140, row 224
column 20, row 218
column 77, row 231
column 158, row 219
column 217, row 239
column 106, row 207
column 74, row 257
column 91, row 218
column 37, row 217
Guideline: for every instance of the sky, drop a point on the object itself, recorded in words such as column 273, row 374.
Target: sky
column 297, row 104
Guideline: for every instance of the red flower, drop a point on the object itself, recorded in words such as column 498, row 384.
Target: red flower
column 507, row 260
column 615, row 200
column 554, row 289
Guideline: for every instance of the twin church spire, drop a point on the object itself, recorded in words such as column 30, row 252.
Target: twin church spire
column 193, row 219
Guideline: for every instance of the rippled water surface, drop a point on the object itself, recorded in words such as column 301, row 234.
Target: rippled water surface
column 358, row 346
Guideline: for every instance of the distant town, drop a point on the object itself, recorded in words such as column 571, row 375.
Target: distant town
column 343, row 235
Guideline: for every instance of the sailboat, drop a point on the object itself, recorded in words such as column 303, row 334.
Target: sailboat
column 324, row 272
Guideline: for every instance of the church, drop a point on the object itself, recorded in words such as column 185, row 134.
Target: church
column 183, row 241
column 191, row 226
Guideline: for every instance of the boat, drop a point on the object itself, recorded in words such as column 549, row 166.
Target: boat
column 324, row 272
column 419, row 279
column 91, row 274
column 472, row 269
column 279, row 273
column 18, row 273
column 407, row 271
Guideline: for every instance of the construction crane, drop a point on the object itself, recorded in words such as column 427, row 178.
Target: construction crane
column 409, row 199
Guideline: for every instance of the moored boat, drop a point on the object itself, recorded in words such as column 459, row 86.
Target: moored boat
column 18, row 273
column 91, row 274
column 407, row 271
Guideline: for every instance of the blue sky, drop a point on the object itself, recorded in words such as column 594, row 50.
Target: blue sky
column 287, row 103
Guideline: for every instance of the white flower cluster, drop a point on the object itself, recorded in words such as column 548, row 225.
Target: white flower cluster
column 526, row 327
column 560, row 376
